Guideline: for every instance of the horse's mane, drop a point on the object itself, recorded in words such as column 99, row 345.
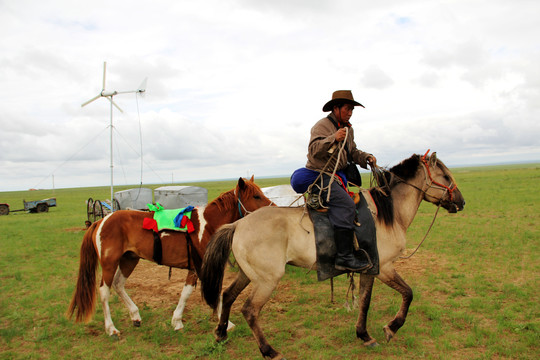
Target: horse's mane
column 381, row 195
column 227, row 200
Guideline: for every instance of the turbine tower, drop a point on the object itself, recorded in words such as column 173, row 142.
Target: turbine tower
column 109, row 95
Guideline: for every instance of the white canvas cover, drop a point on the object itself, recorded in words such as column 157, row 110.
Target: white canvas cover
column 177, row 197
column 284, row 195
column 136, row 198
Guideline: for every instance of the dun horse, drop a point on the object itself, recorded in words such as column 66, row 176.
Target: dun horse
column 118, row 241
column 272, row 237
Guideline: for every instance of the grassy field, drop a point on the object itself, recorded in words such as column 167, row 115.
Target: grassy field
column 475, row 281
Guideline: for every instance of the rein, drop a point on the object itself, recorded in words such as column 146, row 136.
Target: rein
column 332, row 176
column 429, row 181
column 425, row 236
column 241, row 206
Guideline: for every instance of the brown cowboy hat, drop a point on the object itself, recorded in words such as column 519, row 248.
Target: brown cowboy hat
column 341, row 96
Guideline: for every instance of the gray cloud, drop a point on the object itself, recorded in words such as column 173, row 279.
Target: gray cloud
column 235, row 86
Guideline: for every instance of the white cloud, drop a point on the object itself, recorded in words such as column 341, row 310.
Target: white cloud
column 234, row 86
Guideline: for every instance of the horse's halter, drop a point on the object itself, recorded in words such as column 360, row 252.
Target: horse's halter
column 241, row 206
column 450, row 189
column 429, row 180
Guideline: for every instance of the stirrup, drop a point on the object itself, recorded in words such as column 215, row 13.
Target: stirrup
column 313, row 200
column 345, row 268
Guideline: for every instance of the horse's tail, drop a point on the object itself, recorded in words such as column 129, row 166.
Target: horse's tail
column 84, row 298
column 213, row 267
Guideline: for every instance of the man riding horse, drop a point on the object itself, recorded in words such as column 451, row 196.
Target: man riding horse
column 331, row 150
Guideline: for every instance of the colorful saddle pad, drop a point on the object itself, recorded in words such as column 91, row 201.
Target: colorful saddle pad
column 170, row 219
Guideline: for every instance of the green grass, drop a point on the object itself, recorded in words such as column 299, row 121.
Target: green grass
column 475, row 281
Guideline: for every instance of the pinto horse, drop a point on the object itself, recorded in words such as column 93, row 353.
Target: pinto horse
column 272, row 237
column 118, row 241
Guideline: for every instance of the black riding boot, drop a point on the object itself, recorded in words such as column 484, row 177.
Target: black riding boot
column 345, row 260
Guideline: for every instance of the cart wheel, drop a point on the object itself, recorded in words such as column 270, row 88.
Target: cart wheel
column 116, row 205
column 89, row 208
column 98, row 210
column 42, row 208
column 4, row 209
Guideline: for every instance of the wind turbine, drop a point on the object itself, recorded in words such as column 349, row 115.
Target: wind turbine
column 109, row 95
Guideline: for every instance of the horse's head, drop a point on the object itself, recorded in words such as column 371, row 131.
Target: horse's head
column 250, row 196
column 442, row 188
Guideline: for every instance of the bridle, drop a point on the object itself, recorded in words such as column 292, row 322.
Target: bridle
column 430, row 182
column 242, row 207
column 450, row 189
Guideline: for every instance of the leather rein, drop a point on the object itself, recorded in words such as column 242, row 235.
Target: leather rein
column 431, row 183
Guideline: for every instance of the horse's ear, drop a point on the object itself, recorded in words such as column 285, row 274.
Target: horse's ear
column 433, row 159
column 252, row 178
column 241, row 183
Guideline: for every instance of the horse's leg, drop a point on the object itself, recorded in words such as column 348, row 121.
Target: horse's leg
column 126, row 267
column 218, row 311
column 366, row 286
column 228, row 298
column 252, row 307
column 105, row 293
column 191, row 282
column 392, row 279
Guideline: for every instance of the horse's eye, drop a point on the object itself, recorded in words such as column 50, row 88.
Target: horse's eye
column 447, row 178
column 257, row 197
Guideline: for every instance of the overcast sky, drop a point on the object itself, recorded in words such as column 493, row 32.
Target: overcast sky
column 234, row 86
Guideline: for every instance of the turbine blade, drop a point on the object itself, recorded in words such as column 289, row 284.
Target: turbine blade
column 92, row 99
column 118, row 107
column 142, row 87
column 104, row 71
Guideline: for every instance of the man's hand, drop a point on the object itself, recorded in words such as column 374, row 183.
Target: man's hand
column 372, row 161
column 340, row 134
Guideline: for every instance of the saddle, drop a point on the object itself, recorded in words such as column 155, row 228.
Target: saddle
column 174, row 220
column 365, row 234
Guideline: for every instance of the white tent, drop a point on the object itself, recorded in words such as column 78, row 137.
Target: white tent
column 177, row 197
column 136, row 198
column 284, row 195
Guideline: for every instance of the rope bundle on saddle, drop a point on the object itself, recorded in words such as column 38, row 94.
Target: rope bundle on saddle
column 313, row 198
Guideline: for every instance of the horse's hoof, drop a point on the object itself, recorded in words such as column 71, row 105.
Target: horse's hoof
column 220, row 337
column 137, row 323
column 388, row 333
column 371, row 343
column 115, row 337
column 277, row 357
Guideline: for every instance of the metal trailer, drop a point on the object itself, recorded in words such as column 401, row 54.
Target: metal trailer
column 35, row 206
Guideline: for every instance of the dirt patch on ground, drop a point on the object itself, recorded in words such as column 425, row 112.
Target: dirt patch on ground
column 419, row 263
column 150, row 284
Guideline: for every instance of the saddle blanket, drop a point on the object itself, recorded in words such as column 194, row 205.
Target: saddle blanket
column 170, row 219
column 366, row 237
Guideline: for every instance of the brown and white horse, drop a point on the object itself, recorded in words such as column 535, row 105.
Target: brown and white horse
column 272, row 237
column 118, row 241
